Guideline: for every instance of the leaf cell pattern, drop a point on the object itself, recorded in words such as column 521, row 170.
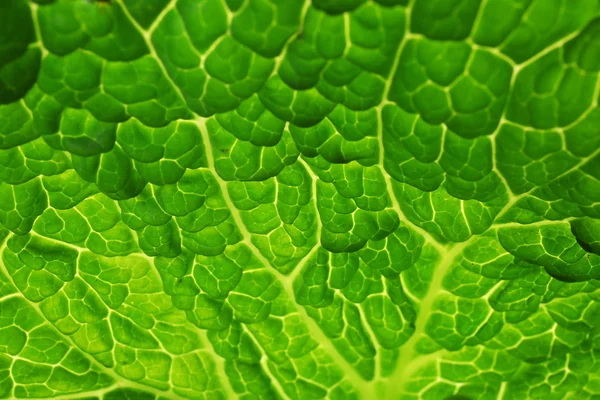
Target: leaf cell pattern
column 300, row 199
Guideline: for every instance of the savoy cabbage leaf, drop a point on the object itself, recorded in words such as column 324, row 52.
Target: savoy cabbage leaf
column 294, row 199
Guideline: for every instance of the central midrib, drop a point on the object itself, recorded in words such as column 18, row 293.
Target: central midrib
column 395, row 383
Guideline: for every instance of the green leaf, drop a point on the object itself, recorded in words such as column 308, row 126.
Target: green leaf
column 300, row 199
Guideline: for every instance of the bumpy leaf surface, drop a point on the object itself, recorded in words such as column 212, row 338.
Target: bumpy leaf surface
column 300, row 199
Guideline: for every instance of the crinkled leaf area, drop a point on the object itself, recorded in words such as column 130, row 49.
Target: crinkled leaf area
column 268, row 199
